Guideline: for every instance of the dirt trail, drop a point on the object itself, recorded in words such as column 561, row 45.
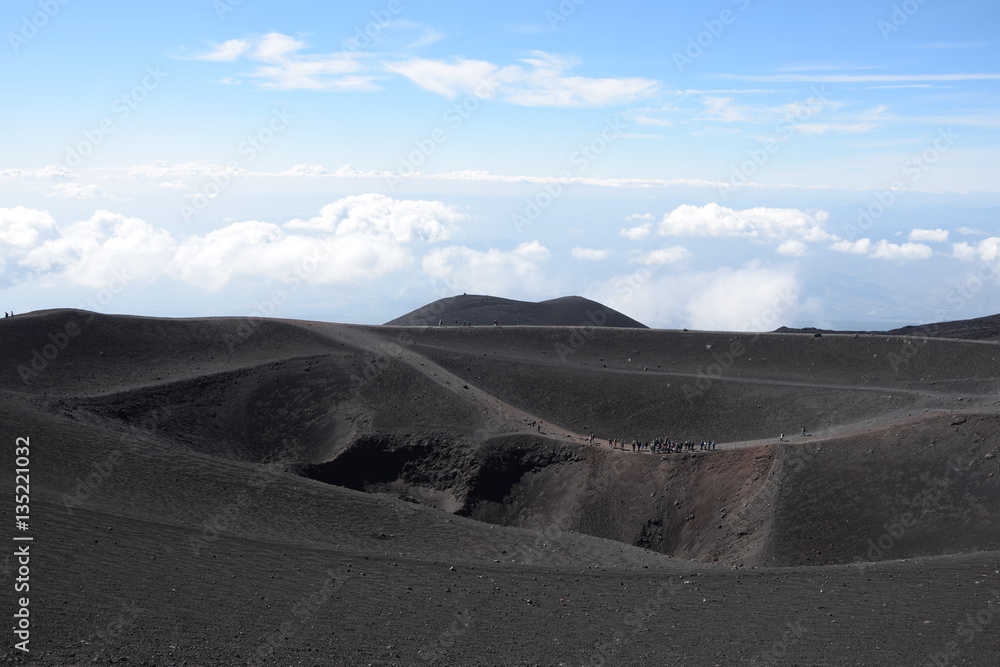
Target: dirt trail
column 499, row 418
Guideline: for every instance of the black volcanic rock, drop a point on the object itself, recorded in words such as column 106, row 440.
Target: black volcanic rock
column 980, row 328
column 483, row 310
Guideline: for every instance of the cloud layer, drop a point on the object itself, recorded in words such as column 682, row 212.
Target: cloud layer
column 280, row 62
column 352, row 240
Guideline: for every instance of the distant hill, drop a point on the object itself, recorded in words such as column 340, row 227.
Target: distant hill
column 979, row 328
column 483, row 310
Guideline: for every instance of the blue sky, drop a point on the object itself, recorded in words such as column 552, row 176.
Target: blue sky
column 719, row 165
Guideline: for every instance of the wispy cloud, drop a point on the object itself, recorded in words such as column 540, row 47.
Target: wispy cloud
column 51, row 171
column 285, row 68
column 726, row 91
column 761, row 223
column 937, row 235
column 901, row 85
column 281, row 64
column 882, row 249
column 73, row 191
column 227, row 52
column 591, row 254
column 860, row 78
column 540, row 80
column 661, row 256
column 954, row 45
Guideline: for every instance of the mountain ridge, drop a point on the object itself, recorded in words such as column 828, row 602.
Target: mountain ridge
column 485, row 310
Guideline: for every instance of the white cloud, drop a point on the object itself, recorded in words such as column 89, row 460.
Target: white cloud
column 902, row 252
column 286, row 69
column 636, row 233
column 861, row 78
column 159, row 170
column 275, row 47
column 22, row 227
column 884, row 250
column 92, row 252
column 937, row 235
column 492, row 271
column 591, row 254
column 541, row 80
column 654, row 122
column 351, row 240
column 356, row 238
column 263, row 250
column 545, row 83
column 228, row 51
column 73, row 191
column 282, row 65
column 306, row 170
column 757, row 223
column 859, row 247
column 840, row 128
column 751, row 298
column 987, row 250
column 661, row 256
column 212, row 260
column 792, row 248
column 49, row 171
column 449, row 79
column 380, row 216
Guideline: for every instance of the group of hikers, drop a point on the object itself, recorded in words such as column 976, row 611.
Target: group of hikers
column 660, row 445
column 6, row 314
column 467, row 323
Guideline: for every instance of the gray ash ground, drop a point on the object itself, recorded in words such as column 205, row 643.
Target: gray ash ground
column 218, row 492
